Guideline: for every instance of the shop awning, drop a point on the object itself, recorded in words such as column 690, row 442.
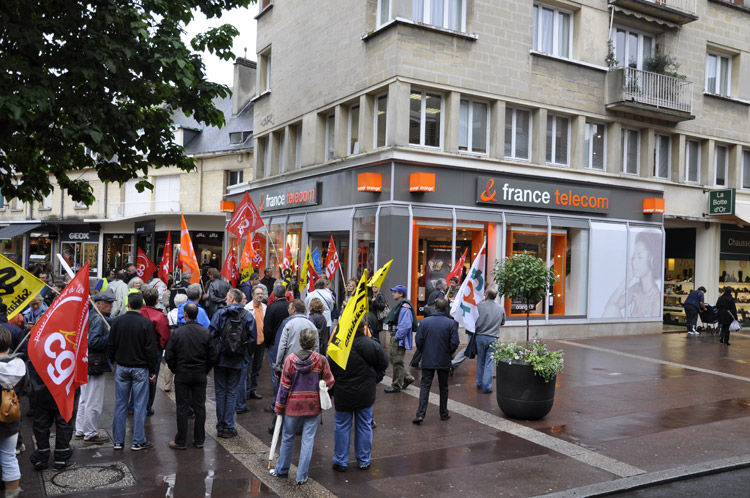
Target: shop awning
column 18, row 229
column 742, row 212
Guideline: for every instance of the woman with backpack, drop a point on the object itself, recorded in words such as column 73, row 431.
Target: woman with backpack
column 13, row 379
column 299, row 401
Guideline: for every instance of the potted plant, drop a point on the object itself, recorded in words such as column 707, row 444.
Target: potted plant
column 526, row 374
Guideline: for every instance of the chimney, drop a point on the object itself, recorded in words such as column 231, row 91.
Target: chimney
column 244, row 84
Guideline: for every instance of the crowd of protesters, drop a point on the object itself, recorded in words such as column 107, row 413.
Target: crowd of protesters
column 137, row 323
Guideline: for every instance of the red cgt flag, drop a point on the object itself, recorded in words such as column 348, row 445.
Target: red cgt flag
column 456, row 271
column 332, row 260
column 59, row 343
column 259, row 247
column 165, row 266
column 229, row 270
column 246, row 218
column 145, row 268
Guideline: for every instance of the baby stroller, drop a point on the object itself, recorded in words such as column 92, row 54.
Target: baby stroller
column 710, row 320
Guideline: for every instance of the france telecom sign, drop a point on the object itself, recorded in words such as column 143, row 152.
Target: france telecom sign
column 721, row 202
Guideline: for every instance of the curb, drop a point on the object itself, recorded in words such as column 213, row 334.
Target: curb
column 651, row 479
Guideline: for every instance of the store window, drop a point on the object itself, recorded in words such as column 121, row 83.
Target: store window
column 425, row 118
column 40, row 248
column 552, row 31
column 13, row 249
column 473, row 131
column 76, row 254
column 276, row 245
column 364, row 240
column 679, row 268
column 558, row 131
column 595, row 145
column 662, row 156
column 721, row 165
column 517, row 133
column 381, row 109
column 117, row 249
column 734, row 269
column 294, row 241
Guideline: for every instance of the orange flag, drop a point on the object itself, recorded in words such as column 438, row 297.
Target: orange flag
column 248, row 254
column 187, row 254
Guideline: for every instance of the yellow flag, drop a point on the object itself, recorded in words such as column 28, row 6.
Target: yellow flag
column 18, row 286
column 306, row 263
column 379, row 276
column 355, row 310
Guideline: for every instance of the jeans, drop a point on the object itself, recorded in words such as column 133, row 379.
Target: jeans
column 484, row 362
column 190, row 388
column 309, row 427
column 226, row 381
column 424, row 391
column 129, row 379
column 90, row 406
column 240, row 396
column 400, row 375
column 8, row 459
column 152, row 385
column 362, row 436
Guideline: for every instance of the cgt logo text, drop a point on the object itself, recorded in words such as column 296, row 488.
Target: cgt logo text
column 533, row 194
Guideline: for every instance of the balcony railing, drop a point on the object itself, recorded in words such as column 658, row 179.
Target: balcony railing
column 629, row 86
column 127, row 209
column 687, row 6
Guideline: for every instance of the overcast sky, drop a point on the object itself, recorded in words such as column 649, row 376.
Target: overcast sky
column 218, row 70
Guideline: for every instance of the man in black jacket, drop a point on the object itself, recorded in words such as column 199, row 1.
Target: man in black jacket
column 132, row 346
column 217, row 291
column 276, row 313
column 268, row 280
column 190, row 355
column 437, row 339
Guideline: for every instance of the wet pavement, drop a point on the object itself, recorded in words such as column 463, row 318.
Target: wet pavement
column 633, row 410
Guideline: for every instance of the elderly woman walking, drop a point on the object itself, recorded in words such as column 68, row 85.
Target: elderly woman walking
column 299, row 401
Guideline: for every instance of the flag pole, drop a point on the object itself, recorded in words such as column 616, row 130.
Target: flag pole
column 70, row 273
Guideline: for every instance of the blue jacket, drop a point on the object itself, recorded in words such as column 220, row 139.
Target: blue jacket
column 404, row 327
column 217, row 326
column 98, row 332
column 437, row 338
column 202, row 315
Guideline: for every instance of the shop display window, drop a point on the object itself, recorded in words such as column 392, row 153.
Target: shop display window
column 364, row 240
column 12, row 249
column 678, row 283
column 76, row 254
column 293, row 238
column 735, row 273
column 40, row 248
column 275, row 247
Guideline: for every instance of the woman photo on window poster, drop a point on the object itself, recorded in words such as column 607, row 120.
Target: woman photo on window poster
column 644, row 289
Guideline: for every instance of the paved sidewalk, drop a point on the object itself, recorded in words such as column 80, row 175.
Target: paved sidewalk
column 629, row 411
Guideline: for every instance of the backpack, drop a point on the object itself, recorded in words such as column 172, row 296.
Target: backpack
column 233, row 333
column 10, row 409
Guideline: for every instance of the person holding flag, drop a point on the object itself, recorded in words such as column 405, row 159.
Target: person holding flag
column 63, row 330
column 401, row 321
column 464, row 308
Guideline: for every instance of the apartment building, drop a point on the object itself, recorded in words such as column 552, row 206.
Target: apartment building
column 417, row 129
column 108, row 233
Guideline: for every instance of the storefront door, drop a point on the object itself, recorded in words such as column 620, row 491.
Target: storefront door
column 320, row 242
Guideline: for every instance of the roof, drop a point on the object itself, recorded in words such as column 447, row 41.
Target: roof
column 211, row 139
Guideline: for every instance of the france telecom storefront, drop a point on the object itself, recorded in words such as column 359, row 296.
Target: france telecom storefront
column 604, row 244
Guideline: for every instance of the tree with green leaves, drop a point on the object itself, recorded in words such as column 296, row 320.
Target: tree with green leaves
column 93, row 84
column 524, row 276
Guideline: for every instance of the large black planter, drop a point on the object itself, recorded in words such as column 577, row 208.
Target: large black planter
column 521, row 394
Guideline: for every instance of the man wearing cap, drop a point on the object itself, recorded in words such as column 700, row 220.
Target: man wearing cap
column 401, row 321
column 92, row 394
column 693, row 305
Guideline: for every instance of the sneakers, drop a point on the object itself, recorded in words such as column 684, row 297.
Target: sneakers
column 96, row 439
column 119, row 446
column 281, row 476
column 64, row 465
column 303, row 481
column 364, row 467
column 142, row 446
column 78, row 436
column 693, row 332
column 20, row 449
column 176, row 446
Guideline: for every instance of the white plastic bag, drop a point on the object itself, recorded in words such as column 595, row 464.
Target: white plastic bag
column 735, row 326
column 325, row 399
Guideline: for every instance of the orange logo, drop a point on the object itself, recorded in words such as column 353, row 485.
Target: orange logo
column 489, row 192
column 262, row 204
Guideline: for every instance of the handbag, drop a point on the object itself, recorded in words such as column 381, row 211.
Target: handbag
column 10, row 408
column 325, row 398
column 735, row 325
column 98, row 363
column 383, row 314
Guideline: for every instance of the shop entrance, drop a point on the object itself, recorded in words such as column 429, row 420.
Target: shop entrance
column 320, row 241
column 431, row 254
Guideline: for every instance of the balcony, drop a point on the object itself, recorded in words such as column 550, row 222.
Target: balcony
column 674, row 11
column 649, row 94
column 129, row 209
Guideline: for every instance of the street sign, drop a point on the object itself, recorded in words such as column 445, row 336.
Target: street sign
column 721, row 202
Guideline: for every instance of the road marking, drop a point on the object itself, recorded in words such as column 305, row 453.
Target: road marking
column 571, row 450
column 253, row 454
column 655, row 360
